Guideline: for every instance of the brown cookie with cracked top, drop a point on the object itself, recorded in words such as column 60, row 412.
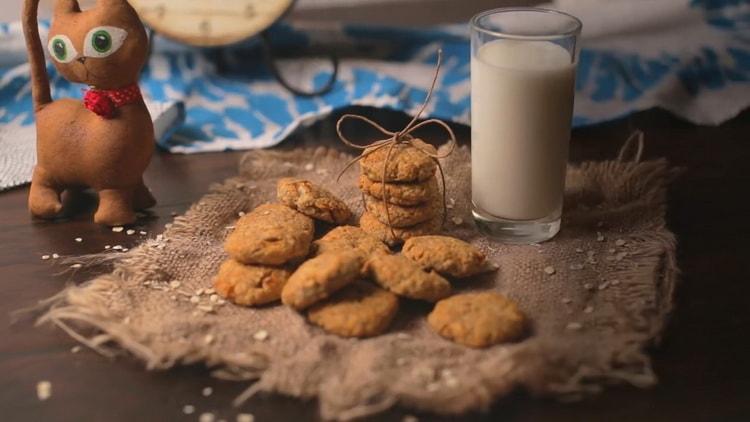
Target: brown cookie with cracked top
column 477, row 319
column 250, row 285
column 447, row 255
column 358, row 310
column 406, row 194
column 370, row 224
column 345, row 238
column 402, row 216
column 319, row 277
column 272, row 234
column 312, row 200
column 406, row 163
column 404, row 277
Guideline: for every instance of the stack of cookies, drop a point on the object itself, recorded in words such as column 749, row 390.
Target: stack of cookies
column 410, row 192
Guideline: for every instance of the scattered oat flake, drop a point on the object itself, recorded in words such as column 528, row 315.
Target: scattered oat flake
column 433, row 386
column 620, row 242
column 207, row 391
column 143, row 232
column 410, row 418
column 206, row 308
column 45, row 257
column 55, row 256
column 76, row 266
column 174, row 284
column 309, row 166
column 208, row 339
column 588, row 286
column 611, row 250
column 195, row 299
column 566, row 300
column 576, row 266
column 451, row 382
column 188, row 409
column 199, row 292
column 124, row 249
column 620, row 256
column 214, row 298
column 549, row 269
column 579, row 250
column 241, row 213
column 107, row 246
column 210, row 291
column 401, row 361
column 75, row 349
column 574, row 326
column 207, row 417
column 117, row 247
column 599, row 237
column 588, row 310
column 130, row 232
column 78, row 239
column 615, row 282
column 403, row 336
column 261, row 335
column 43, row 390
column 117, row 229
column 245, row 417
column 604, row 285
column 457, row 220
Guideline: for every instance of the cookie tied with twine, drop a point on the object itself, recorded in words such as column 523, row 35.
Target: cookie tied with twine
column 402, row 137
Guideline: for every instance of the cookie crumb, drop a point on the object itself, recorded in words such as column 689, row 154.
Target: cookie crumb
column 410, row 418
column 106, row 247
column 76, row 266
column 143, row 232
column 566, row 300
column 620, row 256
column 117, row 229
column 55, row 256
column 194, row 299
column 207, row 391
column 208, row 339
column 43, row 390
column 206, row 417
column 604, row 285
column 130, row 232
column 457, row 220
column 309, row 166
column 576, row 266
column 174, row 284
column 579, row 250
column 75, row 349
column 615, row 282
column 245, row 417
column 45, row 257
column 261, row 335
column 574, row 326
column 589, row 309
column 588, row 286
column 620, row 242
column 549, row 270
column 599, row 237
column 78, row 239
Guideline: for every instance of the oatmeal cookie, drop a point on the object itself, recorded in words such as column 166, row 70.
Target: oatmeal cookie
column 406, row 163
column 319, row 277
column 373, row 226
column 358, row 310
column 272, row 234
column 447, row 255
column 477, row 319
column 403, row 216
column 350, row 238
column 406, row 194
column 250, row 285
column 404, row 277
column 312, row 200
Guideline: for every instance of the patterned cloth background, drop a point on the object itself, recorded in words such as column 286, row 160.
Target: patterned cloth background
column 689, row 56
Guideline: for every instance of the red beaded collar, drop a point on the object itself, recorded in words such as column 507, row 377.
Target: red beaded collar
column 104, row 101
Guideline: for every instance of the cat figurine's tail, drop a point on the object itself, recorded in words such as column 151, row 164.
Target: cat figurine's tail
column 39, row 80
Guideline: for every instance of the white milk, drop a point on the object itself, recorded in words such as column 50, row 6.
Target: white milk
column 521, row 110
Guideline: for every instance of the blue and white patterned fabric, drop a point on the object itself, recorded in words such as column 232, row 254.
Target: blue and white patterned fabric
column 691, row 57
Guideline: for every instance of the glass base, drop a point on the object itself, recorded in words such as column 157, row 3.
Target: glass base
column 522, row 232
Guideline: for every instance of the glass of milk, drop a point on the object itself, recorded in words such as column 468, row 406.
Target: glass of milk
column 523, row 63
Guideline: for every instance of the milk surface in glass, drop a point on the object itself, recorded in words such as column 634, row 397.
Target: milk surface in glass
column 521, row 110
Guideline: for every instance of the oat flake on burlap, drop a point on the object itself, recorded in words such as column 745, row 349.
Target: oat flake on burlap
column 606, row 299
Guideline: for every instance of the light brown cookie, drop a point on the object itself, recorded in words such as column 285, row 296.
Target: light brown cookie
column 272, row 234
column 447, row 255
column 319, row 277
column 404, row 277
column 345, row 238
column 402, row 216
column 358, row 310
column 477, row 319
column 406, row 194
column 406, row 163
column 312, row 200
column 370, row 224
column 250, row 285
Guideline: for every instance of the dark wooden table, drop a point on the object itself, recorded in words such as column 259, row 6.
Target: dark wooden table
column 702, row 362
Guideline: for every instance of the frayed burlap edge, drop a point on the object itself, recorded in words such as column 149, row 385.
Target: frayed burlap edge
column 83, row 312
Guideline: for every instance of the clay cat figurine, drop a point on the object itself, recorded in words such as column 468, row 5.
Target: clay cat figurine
column 106, row 141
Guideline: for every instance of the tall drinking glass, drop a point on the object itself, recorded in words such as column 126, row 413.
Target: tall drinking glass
column 523, row 63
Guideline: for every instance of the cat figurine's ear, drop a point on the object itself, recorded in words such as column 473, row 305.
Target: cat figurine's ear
column 66, row 6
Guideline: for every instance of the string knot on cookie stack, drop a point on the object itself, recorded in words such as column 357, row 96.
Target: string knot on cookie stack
column 398, row 180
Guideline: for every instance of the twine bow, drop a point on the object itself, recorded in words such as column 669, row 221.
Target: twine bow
column 401, row 137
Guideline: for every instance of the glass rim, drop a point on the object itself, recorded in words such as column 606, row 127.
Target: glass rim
column 576, row 31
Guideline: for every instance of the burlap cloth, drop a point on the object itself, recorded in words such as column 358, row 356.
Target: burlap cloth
column 591, row 319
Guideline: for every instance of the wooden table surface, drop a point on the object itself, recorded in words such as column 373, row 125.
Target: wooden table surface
column 702, row 361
